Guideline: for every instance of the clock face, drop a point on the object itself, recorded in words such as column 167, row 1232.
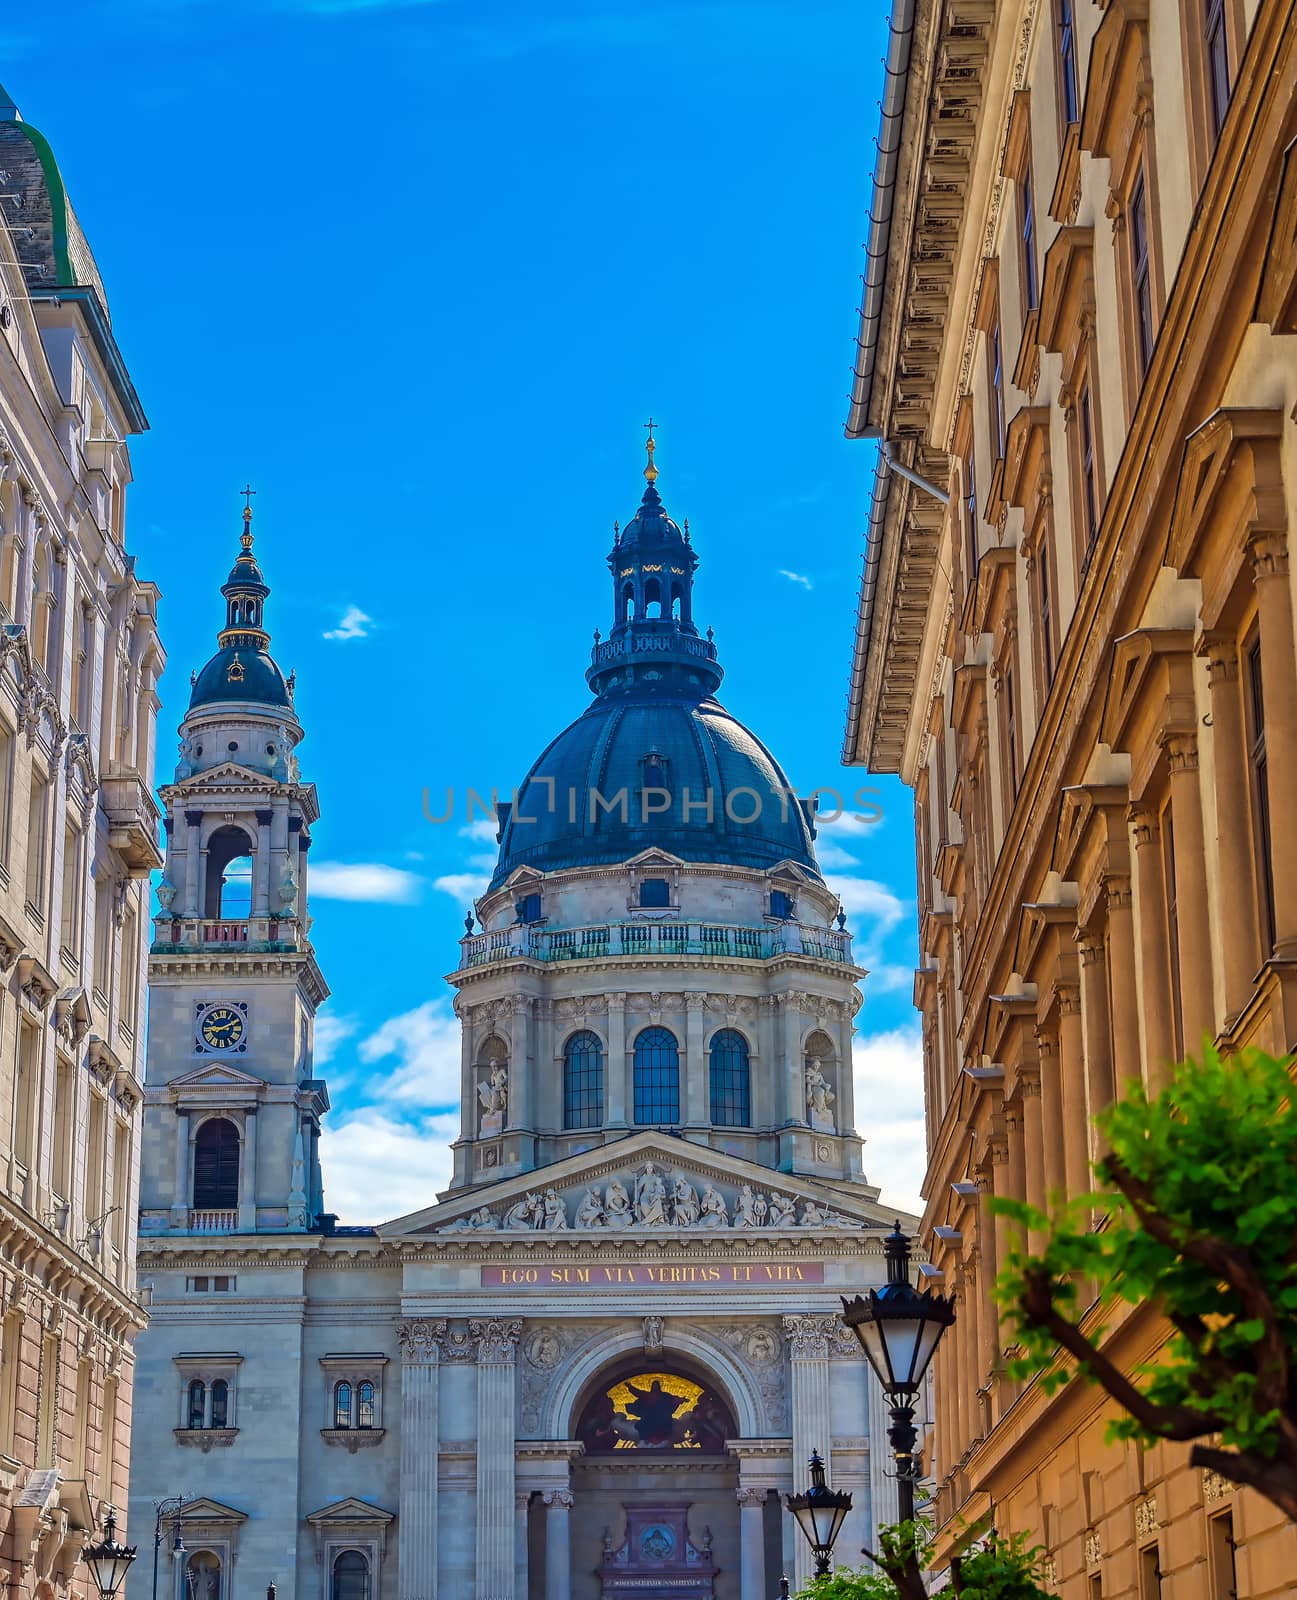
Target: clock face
column 222, row 1028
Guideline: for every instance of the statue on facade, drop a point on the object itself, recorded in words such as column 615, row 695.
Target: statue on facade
column 555, row 1212
column 782, row 1211
column 590, row 1213
column 482, row 1220
column 712, row 1210
column 745, row 1208
column 529, row 1212
column 617, row 1205
column 684, row 1203
column 166, row 894
column 819, row 1097
column 651, row 1198
column 286, row 894
column 493, row 1092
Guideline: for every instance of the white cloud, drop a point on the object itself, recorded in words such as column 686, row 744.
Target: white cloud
column 483, row 828
column 330, row 1031
column 377, row 1168
column 463, row 886
column 363, row 880
column 864, row 897
column 829, row 854
column 796, row 577
column 859, row 816
column 888, row 1075
column 355, row 624
column 426, row 1045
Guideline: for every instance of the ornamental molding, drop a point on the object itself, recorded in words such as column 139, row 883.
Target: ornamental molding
column 419, row 1341
column 497, row 1339
column 1146, row 1519
column 811, row 1335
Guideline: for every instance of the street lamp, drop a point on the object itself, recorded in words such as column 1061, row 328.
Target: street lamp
column 109, row 1562
column 172, row 1506
column 898, row 1329
column 820, row 1513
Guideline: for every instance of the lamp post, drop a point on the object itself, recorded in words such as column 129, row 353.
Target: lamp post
column 899, row 1329
column 171, row 1507
column 109, row 1562
column 819, row 1512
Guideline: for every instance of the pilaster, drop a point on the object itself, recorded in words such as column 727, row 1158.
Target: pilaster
column 417, row 1525
column 496, row 1341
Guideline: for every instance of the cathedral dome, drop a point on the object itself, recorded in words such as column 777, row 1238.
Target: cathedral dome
column 656, row 761
column 243, row 669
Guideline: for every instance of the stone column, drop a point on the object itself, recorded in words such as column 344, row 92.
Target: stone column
column 1096, row 1040
column 417, row 1520
column 1071, row 1077
column 617, row 1067
column 558, row 1544
column 1052, row 1110
column 518, row 1111
column 1124, row 1004
column 468, row 1101
column 497, row 1340
column 695, row 1111
column 1033, row 1144
column 752, row 1544
column 1154, row 940
column 521, row 1503
column 180, row 1199
column 192, row 904
column 1278, row 663
column 248, row 1173
column 1240, row 943
column 1197, row 994
column 261, row 882
column 794, row 1076
column 810, row 1338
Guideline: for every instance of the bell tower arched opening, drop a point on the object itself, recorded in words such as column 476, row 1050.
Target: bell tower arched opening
column 229, row 875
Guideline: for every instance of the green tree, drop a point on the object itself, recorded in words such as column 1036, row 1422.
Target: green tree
column 1201, row 1222
column 1005, row 1569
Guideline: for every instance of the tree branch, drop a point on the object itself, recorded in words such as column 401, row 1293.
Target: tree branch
column 1037, row 1307
column 906, row 1575
column 1228, row 1262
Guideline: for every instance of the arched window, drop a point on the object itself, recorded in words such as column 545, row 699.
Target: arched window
column 203, row 1576
column 350, row 1577
column 229, row 875
column 657, row 1077
column 365, row 1404
column 583, row 1081
column 216, row 1165
column 677, row 596
column 220, row 1403
column 197, row 1412
column 731, row 1085
column 652, row 598
column 342, row 1405
column 627, row 603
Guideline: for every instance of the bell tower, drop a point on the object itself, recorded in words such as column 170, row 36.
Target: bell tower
column 232, row 1109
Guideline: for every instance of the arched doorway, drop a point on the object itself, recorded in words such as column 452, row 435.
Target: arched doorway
column 655, row 1471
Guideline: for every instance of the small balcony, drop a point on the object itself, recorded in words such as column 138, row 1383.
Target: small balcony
column 656, row 941
column 225, row 1220
column 133, row 817
column 178, row 935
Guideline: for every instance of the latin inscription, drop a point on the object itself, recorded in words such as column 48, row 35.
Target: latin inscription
column 751, row 1273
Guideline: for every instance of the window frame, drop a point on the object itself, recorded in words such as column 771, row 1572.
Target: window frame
column 1254, row 734
column 1067, row 69
column 584, row 1086
column 729, row 1079
column 648, row 1093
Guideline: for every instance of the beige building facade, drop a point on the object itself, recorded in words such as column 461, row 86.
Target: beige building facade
column 1076, row 643
column 79, row 661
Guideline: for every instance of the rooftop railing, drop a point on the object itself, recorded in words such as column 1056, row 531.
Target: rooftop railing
column 656, row 939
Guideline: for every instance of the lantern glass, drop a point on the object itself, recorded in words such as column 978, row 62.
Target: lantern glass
column 109, row 1562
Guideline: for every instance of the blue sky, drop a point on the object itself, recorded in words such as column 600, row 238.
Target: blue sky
column 419, row 272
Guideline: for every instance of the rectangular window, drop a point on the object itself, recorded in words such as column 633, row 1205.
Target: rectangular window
column 103, row 936
column 1010, row 731
column 1259, row 772
column 1068, row 89
column 1141, row 276
column 1089, row 484
column 94, row 1201
column 121, row 1185
column 64, row 1123
column 1095, row 1590
column 6, row 789
column 1220, row 1556
column 37, row 822
column 1046, row 615
column 108, row 1440
column 1216, row 45
column 996, row 357
column 128, row 996
column 970, row 520
column 1172, row 931
column 70, row 916
column 1030, row 275
column 10, row 1360
column 47, row 1403
column 26, row 1094
column 1150, row 1574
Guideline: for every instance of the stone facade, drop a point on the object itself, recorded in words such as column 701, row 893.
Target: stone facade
column 628, row 1299
column 1083, row 663
column 79, row 664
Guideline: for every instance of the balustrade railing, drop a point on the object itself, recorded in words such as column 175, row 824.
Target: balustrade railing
column 656, row 939
column 214, row 1221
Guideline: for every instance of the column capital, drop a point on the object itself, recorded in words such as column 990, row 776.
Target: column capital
column 1069, row 999
column 557, row 1499
column 1269, row 552
column 419, row 1339
column 811, row 1335
column 497, row 1339
column 1181, row 751
column 1143, row 824
column 1089, row 946
column 1116, row 891
column 751, row 1497
column 1220, row 651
